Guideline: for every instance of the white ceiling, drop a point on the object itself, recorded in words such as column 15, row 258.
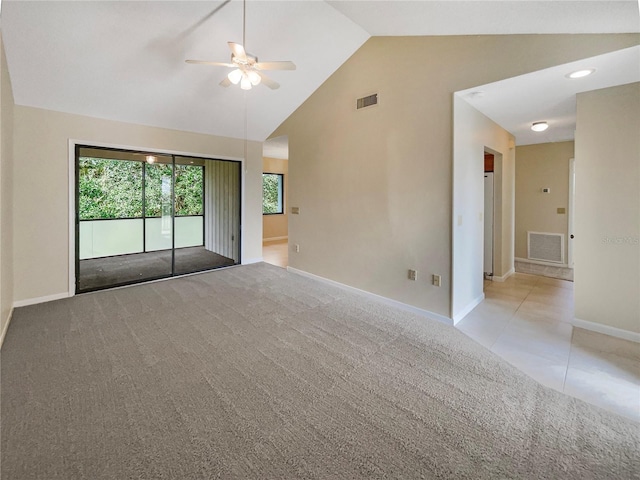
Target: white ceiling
column 548, row 95
column 125, row 60
column 477, row 17
column 276, row 147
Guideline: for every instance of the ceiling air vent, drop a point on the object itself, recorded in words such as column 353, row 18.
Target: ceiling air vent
column 368, row 101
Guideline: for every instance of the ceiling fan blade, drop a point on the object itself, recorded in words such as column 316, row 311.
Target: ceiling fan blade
column 272, row 84
column 275, row 65
column 238, row 51
column 215, row 64
column 226, row 82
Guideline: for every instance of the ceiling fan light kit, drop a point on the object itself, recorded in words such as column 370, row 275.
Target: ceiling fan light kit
column 247, row 69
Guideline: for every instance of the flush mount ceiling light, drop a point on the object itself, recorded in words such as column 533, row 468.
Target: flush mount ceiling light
column 581, row 73
column 151, row 159
column 539, row 126
column 247, row 70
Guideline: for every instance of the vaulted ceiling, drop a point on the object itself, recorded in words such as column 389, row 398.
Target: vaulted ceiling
column 125, row 60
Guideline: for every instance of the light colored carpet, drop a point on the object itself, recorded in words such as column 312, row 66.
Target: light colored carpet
column 253, row 372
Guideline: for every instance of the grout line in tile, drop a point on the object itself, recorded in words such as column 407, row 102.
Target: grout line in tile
column 566, row 372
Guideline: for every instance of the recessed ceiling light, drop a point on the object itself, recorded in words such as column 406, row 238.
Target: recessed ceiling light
column 581, row 73
column 539, row 126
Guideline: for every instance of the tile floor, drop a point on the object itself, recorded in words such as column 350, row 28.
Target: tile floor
column 526, row 320
column 276, row 253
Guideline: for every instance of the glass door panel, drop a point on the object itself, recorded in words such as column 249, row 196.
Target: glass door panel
column 109, row 217
column 146, row 216
column 158, row 218
column 205, row 238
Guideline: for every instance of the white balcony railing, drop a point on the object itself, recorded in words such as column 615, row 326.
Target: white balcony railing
column 106, row 238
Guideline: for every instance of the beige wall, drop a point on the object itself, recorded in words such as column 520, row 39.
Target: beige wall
column 473, row 133
column 538, row 166
column 374, row 187
column 41, row 194
column 6, row 189
column 607, row 220
column 276, row 226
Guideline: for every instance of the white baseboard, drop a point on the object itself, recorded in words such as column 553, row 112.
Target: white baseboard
column 273, row 239
column 252, row 260
column 379, row 298
column 504, row 277
column 541, row 262
column 6, row 327
column 466, row 310
column 48, row 298
column 607, row 330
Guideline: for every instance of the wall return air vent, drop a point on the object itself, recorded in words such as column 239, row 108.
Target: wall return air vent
column 367, row 101
column 547, row 247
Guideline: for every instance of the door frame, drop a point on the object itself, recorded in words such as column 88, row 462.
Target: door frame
column 570, row 216
column 492, row 228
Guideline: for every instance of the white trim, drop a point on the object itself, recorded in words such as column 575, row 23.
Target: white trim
column 72, row 217
column 504, row 277
column 72, row 196
column 373, row 296
column 3, row 334
column 607, row 330
column 541, row 262
column 570, row 216
column 252, row 260
column 466, row 310
column 47, row 298
column 273, row 239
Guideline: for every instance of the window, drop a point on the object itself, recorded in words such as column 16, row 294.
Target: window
column 272, row 193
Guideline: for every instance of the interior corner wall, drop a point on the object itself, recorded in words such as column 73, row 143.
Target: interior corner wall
column 6, row 189
column 277, row 226
column 538, row 166
column 607, row 217
column 41, row 193
column 473, row 132
column 374, row 186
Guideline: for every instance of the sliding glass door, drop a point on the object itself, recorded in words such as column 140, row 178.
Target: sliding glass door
column 144, row 216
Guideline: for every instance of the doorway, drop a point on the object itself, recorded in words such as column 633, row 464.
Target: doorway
column 275, row 193
column 143, row 216
column 489, row 160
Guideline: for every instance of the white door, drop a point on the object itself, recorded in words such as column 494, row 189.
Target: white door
column 488, row 223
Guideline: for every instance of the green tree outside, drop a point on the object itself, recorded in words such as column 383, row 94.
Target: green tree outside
column 271, row 193
column 110, row 189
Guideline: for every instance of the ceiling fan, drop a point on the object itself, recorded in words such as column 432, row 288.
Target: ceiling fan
column 247, row 69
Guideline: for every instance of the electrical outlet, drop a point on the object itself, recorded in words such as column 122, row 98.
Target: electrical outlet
column 437, row 280
column 295, row 210
column 296, row 248
column 413, row 275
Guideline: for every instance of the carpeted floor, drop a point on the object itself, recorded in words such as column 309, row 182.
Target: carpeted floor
column 254, row 372
column 123, row 269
